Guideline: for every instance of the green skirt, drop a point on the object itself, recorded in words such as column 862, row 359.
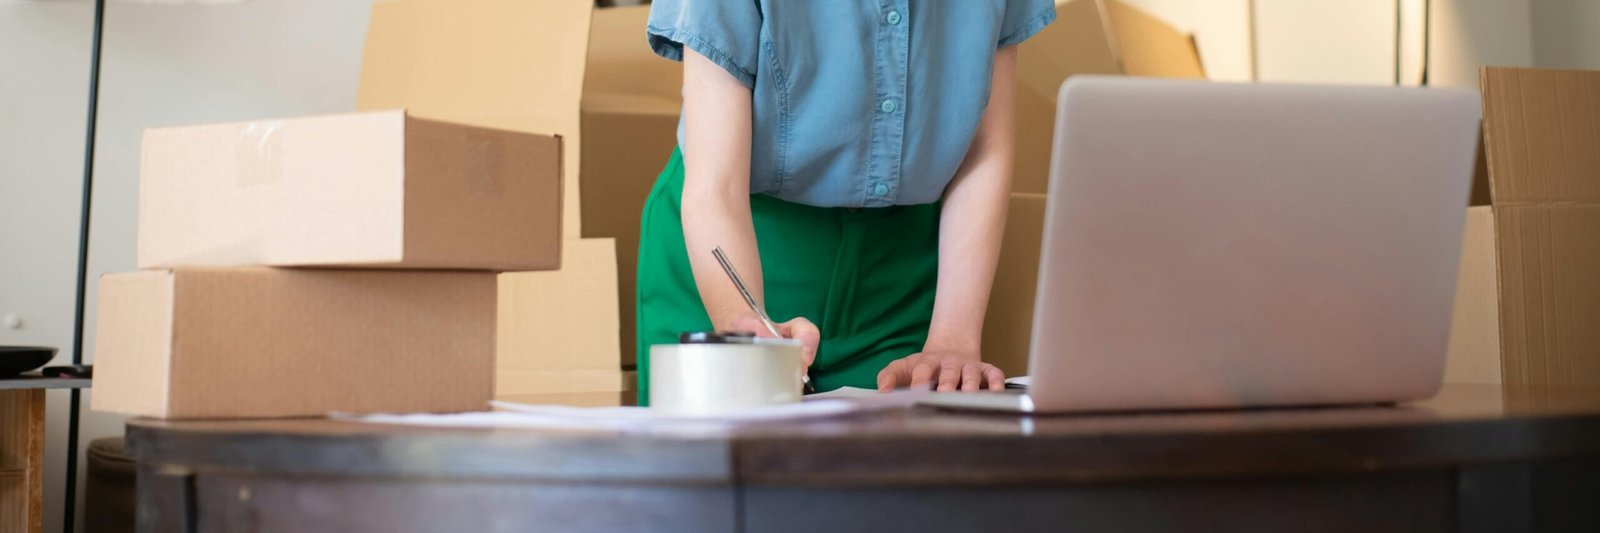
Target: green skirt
column 866, row 277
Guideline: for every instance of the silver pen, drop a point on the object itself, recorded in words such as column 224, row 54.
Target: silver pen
column 744, row 291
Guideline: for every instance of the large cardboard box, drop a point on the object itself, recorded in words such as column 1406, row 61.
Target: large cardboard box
column 1542, row 228
column 549, row 67
column 265, row 342
column 374, row 190
column 1008, row 326
column 1088, row 37
column 628, row 395
column 558, row 329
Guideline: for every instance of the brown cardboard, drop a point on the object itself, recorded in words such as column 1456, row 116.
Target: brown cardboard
column 509, row 64
column 619, row 125
column 1008, row 326
column 558, row 329
column 1474, row 348
column 376, row 190
column 628, row 395
column 1541, row 130
column 264, row 342
column 1088, row 37
column 631, row 102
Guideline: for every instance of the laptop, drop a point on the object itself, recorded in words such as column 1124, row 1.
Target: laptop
column 1218, row 246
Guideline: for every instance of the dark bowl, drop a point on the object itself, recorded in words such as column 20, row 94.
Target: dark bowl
column 18, row 359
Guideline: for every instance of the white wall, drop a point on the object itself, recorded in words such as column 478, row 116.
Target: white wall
column 44, row 53
column 1469, row 34
column 163, row 65
column 1566, row 34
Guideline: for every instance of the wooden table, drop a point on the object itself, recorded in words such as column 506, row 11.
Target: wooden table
column 1475, row 458
column 22, row 427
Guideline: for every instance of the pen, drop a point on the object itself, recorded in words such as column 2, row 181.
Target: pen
column 738, row 283
column 744, row 291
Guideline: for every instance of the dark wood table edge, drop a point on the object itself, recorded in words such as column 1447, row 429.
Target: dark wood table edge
column 971, row 460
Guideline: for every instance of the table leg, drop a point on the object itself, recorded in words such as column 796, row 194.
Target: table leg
column 21, row 460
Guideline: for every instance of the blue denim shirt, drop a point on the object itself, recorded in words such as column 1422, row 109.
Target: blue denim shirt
column 855, row 103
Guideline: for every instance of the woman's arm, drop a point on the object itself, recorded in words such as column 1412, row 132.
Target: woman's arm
column 972, row 222
column 716, row 198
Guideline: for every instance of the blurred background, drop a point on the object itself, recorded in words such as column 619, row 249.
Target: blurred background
column 167, row 63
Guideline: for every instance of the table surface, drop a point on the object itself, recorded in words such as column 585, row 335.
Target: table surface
column 1463, row 424
column 35, row 381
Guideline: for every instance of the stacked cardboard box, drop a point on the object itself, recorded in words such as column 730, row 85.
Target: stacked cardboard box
column 383, row 202
column 1529, row 297
column 553, row 66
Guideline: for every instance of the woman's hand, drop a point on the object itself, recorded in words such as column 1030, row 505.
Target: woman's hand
column 798, row 329
column 951, row 371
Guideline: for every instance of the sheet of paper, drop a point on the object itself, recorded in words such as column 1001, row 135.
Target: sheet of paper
column 518, row 415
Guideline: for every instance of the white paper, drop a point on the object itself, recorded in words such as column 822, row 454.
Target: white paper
column 520, row 415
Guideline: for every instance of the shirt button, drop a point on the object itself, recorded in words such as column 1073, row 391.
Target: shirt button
column 880, row 189
column 892, row 18
column 887, row 106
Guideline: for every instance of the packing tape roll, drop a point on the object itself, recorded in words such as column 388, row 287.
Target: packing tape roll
column 708, row 379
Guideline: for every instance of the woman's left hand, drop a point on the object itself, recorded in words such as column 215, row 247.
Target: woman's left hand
column 951, row 371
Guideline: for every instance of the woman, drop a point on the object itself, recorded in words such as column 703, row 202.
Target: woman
column 853, row 159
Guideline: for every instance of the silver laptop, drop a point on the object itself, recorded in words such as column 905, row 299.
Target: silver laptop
column 1238, row 245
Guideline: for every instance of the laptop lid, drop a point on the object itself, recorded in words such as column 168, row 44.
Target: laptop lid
column 1227, row 245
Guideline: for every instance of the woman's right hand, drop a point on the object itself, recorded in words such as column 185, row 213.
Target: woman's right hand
column 798, row 329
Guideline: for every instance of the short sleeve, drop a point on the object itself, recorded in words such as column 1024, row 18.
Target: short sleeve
column 727, row 32
column 1023, row 19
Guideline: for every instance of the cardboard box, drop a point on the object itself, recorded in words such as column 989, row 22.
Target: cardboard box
column 558, row 329
column 628, row 395
column 547, row 67
column 631, row 104
column 1543, row 178
column 1088, row 37
column 373, row 190
column 1474, row 349
column 1008, row 326
column 264, row 342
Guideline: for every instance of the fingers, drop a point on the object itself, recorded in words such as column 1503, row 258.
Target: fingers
column 922, row 373
column 803, row 330
column 949, row 374
column 971, row 378
column 996, row 378
column 893, row 375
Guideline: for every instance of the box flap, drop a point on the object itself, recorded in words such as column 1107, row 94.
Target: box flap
column 1078, row 42
column 1542, row 130
column 509, row 64
column 620, row 60
column 1082, row 41
column 1147, row 46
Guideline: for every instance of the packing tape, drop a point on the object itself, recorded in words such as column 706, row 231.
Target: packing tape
column 706, row 379
column 485, row 157
column 258, row 154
